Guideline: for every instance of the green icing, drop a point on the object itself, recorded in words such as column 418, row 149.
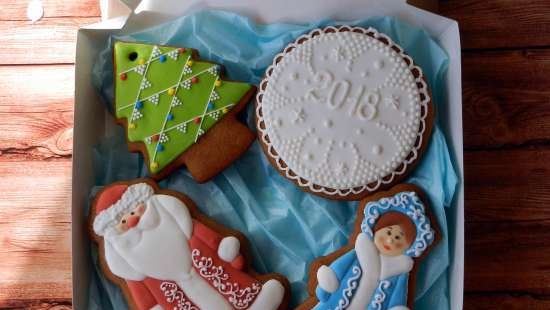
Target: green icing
column 150, row 123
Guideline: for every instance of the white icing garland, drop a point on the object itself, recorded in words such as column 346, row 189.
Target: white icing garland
column 172, row 294
column 134, row 193
column 380, row 295
column 338, row 91
column 240, row 298
column 352, row 284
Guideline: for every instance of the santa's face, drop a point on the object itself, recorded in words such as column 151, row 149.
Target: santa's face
column 131, row 219
column 391, row 240
column 149, row 239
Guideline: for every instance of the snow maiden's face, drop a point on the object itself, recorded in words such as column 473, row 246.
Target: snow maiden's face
column 394, row 233
column 391, row 240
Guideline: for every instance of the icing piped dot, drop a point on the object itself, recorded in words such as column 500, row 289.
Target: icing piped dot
column 378, row 64
column 328, row 123
column 377, row 149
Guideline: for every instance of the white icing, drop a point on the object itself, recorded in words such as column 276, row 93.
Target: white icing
column 369, row 260
column 394, row 265
column 229, row 248
column 327, row 279
column 379, row 101
column 399, row 308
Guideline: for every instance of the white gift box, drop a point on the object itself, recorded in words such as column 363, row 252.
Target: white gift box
column 92, row 121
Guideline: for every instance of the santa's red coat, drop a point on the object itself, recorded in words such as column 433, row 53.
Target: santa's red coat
column 150, row 292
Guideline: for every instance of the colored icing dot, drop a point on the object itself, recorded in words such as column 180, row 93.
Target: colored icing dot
column 131, row 125
column 170, row 117
column 171, row 91
column 224, row 110
column 123, row 76
column 162, row 58
column 194, row 80
column 197, row 120
column 181, row 50
column 141, row 61
column 189, row 63
column 210, row 105
column 160, row 147
column 218, row 83
column 156, row 138
column 154, row 165
column 139, row 105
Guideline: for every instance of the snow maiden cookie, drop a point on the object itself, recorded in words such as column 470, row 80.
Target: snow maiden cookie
column 376, row 270
column 344, row 112
column 178, row 110
column 164, row 254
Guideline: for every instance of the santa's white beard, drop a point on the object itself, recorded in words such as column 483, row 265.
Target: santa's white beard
column 156, row 247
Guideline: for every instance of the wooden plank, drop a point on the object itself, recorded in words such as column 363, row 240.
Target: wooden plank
column 507, row 186
column 500, row 23
column 38, row 304
column 508, row 257
column 506, row 97
column 17, row 10
column 505, row 301
column 50, row 40
column 35, row 218
column 36, row 108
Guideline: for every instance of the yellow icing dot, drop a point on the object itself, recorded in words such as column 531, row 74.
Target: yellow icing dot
column 131, row 125
column 154, row 165
column 189, row 63
column 141, row 61
column 171, row 91
column 218, row 83
column 224, row 110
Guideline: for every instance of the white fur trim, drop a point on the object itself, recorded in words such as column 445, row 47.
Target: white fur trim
column 157, row 307
column 394, row 265
column 135, row 193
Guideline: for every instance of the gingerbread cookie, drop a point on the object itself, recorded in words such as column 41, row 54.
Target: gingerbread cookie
column 376, row 270
column 164, row 254
column 344, row 112
column 178, row 110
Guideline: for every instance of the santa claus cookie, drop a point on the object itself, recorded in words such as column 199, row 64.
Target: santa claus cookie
column 177, row 110
column 164, row 254
column 344, row 112
column 376, row 270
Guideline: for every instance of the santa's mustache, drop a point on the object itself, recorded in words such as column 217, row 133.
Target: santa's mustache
column 148, row 221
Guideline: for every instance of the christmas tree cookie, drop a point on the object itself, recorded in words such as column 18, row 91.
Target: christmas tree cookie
column 177, row 110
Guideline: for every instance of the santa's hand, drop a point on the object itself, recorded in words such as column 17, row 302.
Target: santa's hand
column 327, row 279
column 157, row 307
column 229, row 249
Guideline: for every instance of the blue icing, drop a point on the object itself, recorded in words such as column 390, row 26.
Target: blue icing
column 349, row 273
column 390, row 292
column 409, row 204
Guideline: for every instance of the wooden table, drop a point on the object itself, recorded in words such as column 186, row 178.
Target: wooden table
column 506, row 69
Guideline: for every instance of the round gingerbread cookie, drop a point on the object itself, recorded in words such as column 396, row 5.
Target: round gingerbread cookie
column 344, row 112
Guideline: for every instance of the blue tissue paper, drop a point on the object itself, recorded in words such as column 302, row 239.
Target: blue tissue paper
column 286, row 227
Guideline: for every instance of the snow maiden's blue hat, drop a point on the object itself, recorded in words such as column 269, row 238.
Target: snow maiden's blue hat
column 409, row 204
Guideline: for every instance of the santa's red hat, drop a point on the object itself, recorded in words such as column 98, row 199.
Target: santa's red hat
column 117, row 200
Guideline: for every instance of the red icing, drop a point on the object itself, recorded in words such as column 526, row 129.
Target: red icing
column 181, row 50
column 194, row 80
column 132, row 221
column 156, row 138
column 109, row 197
column 123, row 76
column 212, row 239
column 197, row 120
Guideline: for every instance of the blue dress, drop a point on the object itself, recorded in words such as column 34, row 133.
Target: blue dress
column 390, row 292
